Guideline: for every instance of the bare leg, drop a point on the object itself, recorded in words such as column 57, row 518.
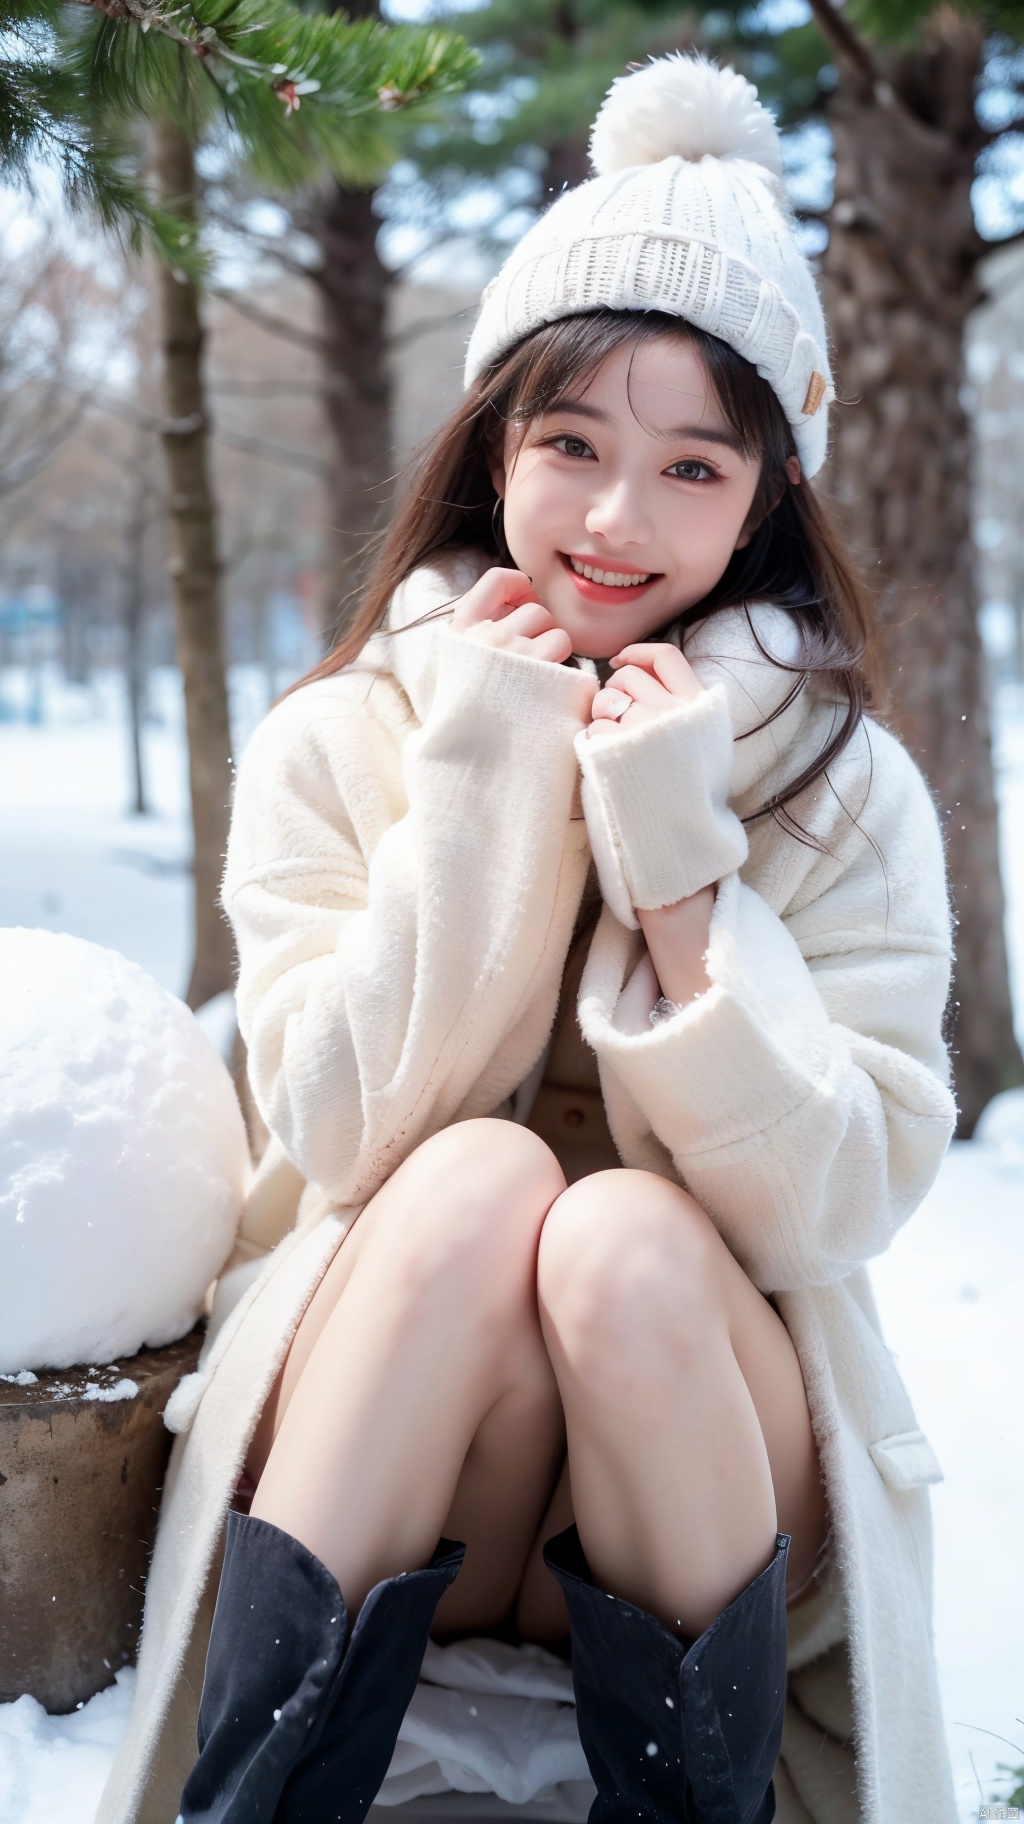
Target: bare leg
column 541, row 1614
column 419, row 1397
column 689, row 1437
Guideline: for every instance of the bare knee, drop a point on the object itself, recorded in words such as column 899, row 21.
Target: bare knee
column 451, row 1240
column 626, row 1280
column 466, row 1208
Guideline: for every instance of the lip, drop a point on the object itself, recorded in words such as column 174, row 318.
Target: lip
column 605, row 592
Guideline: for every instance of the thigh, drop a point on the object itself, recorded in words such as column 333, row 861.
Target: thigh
column 311, row 1325
column 476, row 1181
column 505, row 1486
column 540, row 1612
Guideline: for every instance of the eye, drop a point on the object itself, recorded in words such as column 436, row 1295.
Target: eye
column 571, row 445
column 691, row 469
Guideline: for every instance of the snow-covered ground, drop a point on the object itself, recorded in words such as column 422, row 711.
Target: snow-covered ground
column 950, row 1292
column 950, row 1289
column 71, row 858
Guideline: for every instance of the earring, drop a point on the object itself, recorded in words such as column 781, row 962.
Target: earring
column 498, row 528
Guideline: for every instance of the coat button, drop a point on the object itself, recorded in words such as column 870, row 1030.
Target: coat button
column 574, row 1117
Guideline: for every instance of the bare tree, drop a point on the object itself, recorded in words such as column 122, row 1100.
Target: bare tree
column 143, row 501
column 43, row 300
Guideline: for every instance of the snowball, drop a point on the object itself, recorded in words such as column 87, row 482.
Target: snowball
column 682, row 106
column 123, row 1156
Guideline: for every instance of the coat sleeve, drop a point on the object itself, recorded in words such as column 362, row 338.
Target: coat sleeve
column 364, row 963
column 804, row 1098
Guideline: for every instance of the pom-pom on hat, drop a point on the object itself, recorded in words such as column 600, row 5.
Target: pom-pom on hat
column 686, row 214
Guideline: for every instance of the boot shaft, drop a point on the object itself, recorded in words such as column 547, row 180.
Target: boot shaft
column 300, row 1710
column 676, row 1730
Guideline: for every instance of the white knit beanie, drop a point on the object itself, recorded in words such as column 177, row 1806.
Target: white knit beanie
column 687, row 215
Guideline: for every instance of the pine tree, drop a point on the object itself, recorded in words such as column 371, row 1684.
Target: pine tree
column 296, row 94
column 545, row 65
column 899, row 86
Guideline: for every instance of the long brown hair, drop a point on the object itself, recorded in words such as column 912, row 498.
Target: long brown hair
column 795, row 558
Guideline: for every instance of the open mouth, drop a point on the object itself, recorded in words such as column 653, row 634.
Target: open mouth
column 603, row 583
column 608, row 578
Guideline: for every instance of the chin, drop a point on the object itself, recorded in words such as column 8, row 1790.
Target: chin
column 600, row 641
column 587, row 641
column 598, row 649
column 590, row 638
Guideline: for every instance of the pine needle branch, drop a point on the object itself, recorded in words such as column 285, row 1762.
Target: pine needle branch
column 299, row 93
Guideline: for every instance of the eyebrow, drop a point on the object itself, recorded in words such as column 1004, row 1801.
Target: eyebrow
column 581, row 409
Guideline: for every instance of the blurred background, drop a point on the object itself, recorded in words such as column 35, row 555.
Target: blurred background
column 194, row 466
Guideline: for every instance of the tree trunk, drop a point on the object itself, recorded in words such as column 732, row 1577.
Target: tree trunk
column 1017, row 608
column 899, row 281
column 568, row 162
column 75, row 635
column 354, row 286
column 196, row 580
column 132, row 616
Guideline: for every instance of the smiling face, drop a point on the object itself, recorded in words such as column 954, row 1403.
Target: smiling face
column 625, row 499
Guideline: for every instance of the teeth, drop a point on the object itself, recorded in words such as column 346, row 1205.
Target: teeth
column 612, row 579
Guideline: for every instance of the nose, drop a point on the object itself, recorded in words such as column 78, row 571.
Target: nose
column 617, row 514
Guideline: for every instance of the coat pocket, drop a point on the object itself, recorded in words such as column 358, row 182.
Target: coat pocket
column 905, row 1459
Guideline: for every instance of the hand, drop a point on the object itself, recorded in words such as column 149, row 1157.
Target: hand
column 650, row 677
column 500, row 610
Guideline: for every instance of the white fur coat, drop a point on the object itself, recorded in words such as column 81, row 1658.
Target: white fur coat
column 408, row 849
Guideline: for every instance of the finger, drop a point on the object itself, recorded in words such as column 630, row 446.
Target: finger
column 611, row 703
column 642, row 687
column 601, row 729
column 492, row 596
column 664, row 660
column 514, row 625
column 554, row 645
column 532, row 618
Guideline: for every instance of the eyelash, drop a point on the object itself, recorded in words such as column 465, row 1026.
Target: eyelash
column 568, row 437
column 698, row 462
column 684, row 461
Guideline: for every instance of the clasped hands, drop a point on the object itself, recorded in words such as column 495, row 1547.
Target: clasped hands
column 650, row 676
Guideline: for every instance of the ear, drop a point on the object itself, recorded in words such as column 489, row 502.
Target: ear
column 794, row 477
column 499, row 479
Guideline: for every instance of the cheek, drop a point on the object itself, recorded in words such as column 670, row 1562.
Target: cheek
column 709, row 532
column 536, row 498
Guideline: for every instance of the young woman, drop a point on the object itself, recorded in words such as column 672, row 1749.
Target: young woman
column 594, row 950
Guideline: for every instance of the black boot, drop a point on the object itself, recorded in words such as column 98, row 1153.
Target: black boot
column 300, row 1711
column 677, row 1731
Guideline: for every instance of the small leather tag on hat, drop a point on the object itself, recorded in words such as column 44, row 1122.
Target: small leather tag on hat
column 815, row 394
